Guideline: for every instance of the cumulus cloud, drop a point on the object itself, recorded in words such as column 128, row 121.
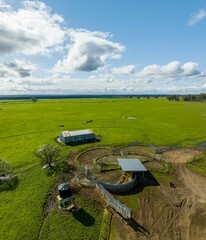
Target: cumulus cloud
column 17, row 68
column 88, row 51
column 123, row 70
column 197, row 17
column 33, row 29
column 173, row 70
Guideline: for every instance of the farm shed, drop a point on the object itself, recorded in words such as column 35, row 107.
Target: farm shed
column 133, row 166
column 77, row 136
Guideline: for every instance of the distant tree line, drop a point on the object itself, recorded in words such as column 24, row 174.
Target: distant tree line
column 173, row 98
column 195, row 98
column 188, row 98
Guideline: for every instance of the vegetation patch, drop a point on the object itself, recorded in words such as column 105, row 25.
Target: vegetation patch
column 106, row 225
column 198, row 165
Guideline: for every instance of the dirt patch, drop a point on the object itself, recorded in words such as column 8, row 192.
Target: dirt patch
column 88, row 156
column 109, row 159
column 112, row 177
column 121, row 230
column 182, row 155
column 154, row 165
column 141, row 150
column 193, row 181
column 176, row 213
column 140, row 157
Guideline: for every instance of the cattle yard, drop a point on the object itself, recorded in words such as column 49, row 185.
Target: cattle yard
column 165, row 177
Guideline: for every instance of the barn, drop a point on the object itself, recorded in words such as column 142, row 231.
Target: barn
column 78, row 136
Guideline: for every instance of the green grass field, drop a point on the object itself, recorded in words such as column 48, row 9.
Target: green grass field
column 25, row 126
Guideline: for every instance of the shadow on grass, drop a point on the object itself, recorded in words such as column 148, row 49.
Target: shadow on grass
column 84, row 217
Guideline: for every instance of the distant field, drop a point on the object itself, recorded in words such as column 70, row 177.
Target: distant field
column 25, row 126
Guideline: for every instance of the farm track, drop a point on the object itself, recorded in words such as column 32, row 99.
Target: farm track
column 193, row 181
column 27, row 170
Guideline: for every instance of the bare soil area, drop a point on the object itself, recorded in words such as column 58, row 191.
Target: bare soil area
column 175, row 213
column 112, row 177
column 154, row 165
column 182, row 155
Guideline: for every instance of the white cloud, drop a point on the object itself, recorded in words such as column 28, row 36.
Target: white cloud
column 17, row 68
column 30, row 30
column 173, row 70
column 123, row 70
column 68, row 85
column 191, row 69
column 88, row 51
column 4, row 6
column 197, row 17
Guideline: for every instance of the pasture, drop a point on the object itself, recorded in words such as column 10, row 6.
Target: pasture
column 25, row 126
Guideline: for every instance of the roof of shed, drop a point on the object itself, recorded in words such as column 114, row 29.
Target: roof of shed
column 131, row 165
column 77, row 133
column 64, row 186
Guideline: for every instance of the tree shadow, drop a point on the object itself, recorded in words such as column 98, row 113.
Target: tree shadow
column 84, row 217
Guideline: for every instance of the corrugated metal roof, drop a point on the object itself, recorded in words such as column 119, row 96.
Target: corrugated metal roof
column 77, row 133
column 131, row 165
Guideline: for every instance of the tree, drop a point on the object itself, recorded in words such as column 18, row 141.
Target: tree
column 5, row 168
column 173, row 98
column 33, row 99
column 8, row 181
column 49, row 155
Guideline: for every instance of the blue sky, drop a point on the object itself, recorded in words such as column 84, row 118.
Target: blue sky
column 95, row 46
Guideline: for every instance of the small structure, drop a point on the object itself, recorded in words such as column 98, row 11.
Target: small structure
column 132, row 165
column 65, row 190
column 65, row 197
column 79, row 136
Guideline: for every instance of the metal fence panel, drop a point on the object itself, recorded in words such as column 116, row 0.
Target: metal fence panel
column 119, row 207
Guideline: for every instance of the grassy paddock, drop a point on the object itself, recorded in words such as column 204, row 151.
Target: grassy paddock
column 25, row 126
column 84, row 224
